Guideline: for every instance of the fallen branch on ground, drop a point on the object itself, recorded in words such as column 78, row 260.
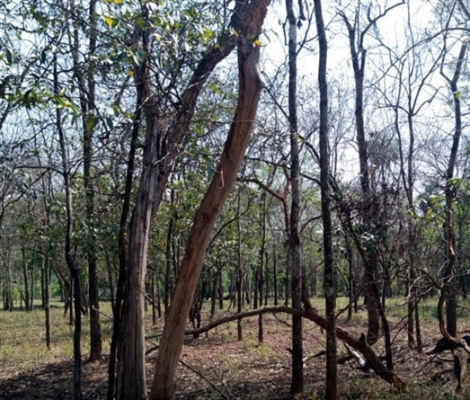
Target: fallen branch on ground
column 310, row 313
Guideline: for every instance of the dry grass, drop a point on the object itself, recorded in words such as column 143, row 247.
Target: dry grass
column 217, row 364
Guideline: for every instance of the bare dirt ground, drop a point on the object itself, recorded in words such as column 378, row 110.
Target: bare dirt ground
column 218, row 366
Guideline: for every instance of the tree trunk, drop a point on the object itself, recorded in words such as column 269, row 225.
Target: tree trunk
column 25, row 278
column 168, row 252
column 451, row 283
column 276, row 301
column 297, row 382
column 329, row 284
column 158, row 147
column 239, row 270
column 47, row 306
column 74, row 270
column 122, row 243
column 86, row 87
column 211, row 206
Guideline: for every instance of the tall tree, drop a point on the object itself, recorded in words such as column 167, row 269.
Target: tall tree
column 329, row 272
column 250, row 85
column 161, row 147
column 74, row 269
column 358, row 52
column 297, row 382
column 451, row 284
column 87, row 92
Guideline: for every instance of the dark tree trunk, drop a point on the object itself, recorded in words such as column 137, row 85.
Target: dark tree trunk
column 276, row 301
column 297, row 382
column 220, row 289
column 239, row 270
column 451, row 284
column 47, row 306
column 74, row 270
column 260, row 278
column 25, row 278
column 369, row 255
column 329, row 284
column 86, row 87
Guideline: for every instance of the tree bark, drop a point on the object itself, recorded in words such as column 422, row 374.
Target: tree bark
column 297, row 381
column 451, row 284
column 250, row 85
column 74, row 270
column 331, row 392
column 25, row 277
column 160, row 151
column 86, row 87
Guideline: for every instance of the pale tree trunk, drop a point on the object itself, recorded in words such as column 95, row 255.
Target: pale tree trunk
column 297, row 381
column 250, row 86
column 331, row 392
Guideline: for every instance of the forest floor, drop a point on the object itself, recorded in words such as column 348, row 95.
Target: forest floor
column 218, row 366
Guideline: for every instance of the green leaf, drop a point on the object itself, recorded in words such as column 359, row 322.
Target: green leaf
column 92, row 122
column 215, row 88
column 207, row 33
column 109, row 121
column 111, row 22
column 457, row 95
column 9, row 55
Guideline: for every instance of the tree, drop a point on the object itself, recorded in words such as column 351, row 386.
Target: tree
column 451, row 284
column 356, row 37
column 297, row 383
column 160, row 150
column 329, row 272
column 74, row 269
column 250, row 85
column 87, row 96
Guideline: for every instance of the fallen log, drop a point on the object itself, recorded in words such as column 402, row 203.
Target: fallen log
column 360, row 345
column 310, row 313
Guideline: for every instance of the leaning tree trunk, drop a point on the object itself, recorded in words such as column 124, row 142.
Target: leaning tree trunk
column 158, row 147
column 250, row 85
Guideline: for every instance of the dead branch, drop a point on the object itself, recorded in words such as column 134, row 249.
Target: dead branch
column 201, row 375
column 310, row 313
column 359, row 345
column 359, row 359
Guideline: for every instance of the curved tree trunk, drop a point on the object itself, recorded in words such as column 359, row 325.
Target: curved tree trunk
column 250, row 85
column 159, row 145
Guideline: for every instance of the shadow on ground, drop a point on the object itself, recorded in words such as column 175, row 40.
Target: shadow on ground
column 55, row 381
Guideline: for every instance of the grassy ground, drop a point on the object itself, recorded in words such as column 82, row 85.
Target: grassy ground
column 217, row 365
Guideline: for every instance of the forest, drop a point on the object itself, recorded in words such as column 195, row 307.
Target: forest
column 245, row 199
